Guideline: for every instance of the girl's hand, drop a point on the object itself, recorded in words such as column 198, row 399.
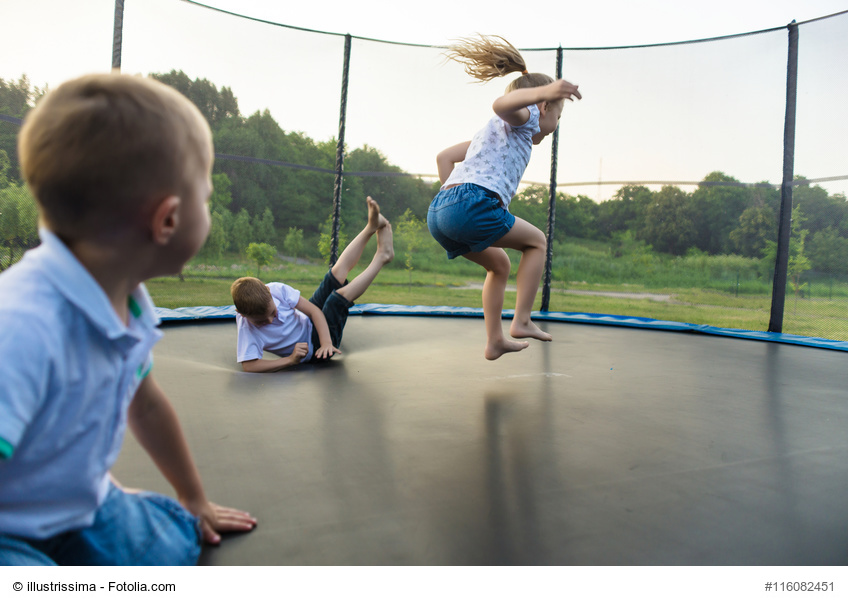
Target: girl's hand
column 562, row 89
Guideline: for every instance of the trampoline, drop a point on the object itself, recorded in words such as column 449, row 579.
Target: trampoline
column 608, row 446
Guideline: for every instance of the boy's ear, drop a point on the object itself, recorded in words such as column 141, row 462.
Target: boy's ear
column 165, row 219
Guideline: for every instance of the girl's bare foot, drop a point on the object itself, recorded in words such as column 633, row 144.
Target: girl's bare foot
column 498, row 348
column 376, row 221
column 528, row 330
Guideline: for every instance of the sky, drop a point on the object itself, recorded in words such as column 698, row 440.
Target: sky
column 668, row 113
column 569, row 23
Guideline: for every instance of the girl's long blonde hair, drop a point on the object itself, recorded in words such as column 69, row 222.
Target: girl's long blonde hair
column 489, row 57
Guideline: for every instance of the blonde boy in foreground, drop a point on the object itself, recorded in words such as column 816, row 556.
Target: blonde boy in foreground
column 275, row 318
column 120, row 168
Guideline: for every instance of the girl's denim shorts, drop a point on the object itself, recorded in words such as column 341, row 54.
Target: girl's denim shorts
column 468, row 218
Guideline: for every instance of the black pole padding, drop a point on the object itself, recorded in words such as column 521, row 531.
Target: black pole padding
column 337, row 187
column 549, row 254
column 117, row 35
column 784, row 231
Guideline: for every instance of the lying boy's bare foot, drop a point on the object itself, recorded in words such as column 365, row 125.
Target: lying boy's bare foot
column 385, row 243
column 497, row 349
column 376, row 221
column 521, row 330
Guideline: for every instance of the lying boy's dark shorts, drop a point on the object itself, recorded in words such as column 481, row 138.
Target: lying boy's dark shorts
column 335, row 308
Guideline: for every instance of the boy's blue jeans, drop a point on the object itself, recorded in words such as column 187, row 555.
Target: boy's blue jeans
column 143, row 529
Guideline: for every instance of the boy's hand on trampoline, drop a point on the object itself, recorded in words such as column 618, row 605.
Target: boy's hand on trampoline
column 325, row 352
column 215, row 519
column 300, row 351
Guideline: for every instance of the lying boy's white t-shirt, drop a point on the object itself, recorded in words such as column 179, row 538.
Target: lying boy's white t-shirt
column 289, row 328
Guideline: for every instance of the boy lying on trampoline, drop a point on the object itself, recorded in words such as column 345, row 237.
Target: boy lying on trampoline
column 275, row 318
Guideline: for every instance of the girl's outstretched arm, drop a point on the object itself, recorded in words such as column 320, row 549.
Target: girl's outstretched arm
column 448, row 158
column 512, row 107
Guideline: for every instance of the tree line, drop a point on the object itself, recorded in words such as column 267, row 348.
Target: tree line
column 288, row 206
column 721, row 217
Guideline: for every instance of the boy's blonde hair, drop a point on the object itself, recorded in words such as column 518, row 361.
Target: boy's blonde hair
column 98, row 148
column 250, row 296
column 489, row 57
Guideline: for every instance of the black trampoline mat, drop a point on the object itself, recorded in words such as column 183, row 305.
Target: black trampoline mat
column 608, row 446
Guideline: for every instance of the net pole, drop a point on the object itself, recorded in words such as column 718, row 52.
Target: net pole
column 117, row 35
column 784, row 232
column 549, row 253
column 337, row 185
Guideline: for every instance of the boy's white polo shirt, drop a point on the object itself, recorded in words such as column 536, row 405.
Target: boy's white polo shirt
column 68, row 374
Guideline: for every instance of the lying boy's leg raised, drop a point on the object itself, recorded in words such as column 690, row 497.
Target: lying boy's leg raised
column 384, row 255
column 353, row 252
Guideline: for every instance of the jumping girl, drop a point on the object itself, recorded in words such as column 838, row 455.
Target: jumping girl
column 469, row 216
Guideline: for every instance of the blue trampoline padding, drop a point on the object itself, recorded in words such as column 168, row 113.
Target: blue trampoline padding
column 196, row 313
column 229, row 311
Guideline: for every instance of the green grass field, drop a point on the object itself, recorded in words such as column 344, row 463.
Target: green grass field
column 818, row 316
